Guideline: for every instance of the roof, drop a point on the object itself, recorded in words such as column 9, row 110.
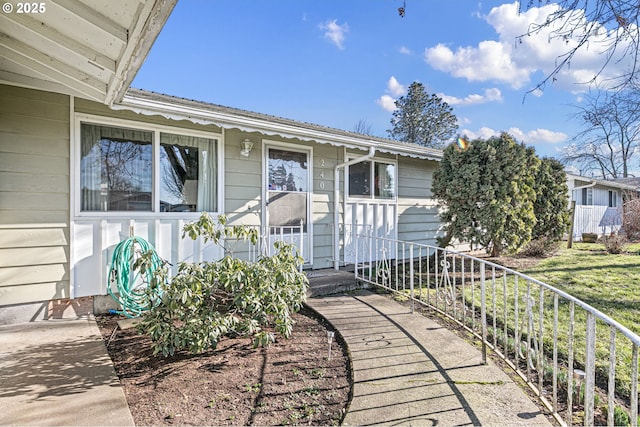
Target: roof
column 629, row 181
column 603, row 182
column 85, row 48
column 152, row 103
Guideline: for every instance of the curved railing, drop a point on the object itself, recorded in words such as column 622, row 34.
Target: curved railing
column 573, row 356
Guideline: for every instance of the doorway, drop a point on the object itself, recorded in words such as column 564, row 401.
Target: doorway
column 287, row 191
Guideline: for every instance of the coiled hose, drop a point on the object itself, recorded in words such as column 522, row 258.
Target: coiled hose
column 131, row 285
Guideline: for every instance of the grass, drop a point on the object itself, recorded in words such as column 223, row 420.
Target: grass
column 607, row 282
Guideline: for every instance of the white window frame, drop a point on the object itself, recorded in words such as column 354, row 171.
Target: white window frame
column 372, row 196
column 156, row 130
column 612, row 201
column 588, row 200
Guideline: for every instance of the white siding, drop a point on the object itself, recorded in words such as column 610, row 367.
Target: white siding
column 596, row 217
column 34, row 195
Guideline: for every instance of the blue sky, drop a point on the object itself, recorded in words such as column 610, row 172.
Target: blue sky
column 335, row 62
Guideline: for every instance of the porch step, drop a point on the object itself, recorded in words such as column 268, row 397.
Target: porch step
column 330, row 282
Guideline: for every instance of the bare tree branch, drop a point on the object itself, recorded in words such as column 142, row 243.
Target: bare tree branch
column 580, row 23
column 610, row 135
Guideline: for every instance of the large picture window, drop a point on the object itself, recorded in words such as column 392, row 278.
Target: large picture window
column 126, row 169
column 381, row 186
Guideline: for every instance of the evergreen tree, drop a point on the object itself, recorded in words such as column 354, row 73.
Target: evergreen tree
column 488, row 192
column 422, row 119
column 551, row 205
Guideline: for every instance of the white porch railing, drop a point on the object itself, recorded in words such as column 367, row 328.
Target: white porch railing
column 545, row 335
column 267, row 236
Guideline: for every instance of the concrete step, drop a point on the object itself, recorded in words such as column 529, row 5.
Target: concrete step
column 330, row 282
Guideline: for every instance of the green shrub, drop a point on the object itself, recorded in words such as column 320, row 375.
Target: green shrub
column 203, row 302
column 620, row 416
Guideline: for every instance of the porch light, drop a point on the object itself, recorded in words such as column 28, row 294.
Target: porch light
column 245, row 147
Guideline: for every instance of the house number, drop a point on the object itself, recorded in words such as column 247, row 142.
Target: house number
column 321, row 183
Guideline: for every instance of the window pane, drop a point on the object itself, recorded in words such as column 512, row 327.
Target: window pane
column 287, row 209
column 115, row 169
column 385, row 178
column 360, row 179
column 287, row 170
column 187, row 173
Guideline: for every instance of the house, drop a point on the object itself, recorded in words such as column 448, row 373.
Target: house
column 85, row 161
column 598, row 204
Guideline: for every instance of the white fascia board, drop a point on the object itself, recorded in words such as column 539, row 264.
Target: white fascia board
column 251, row 124
column 602, row 182
column 151, row 20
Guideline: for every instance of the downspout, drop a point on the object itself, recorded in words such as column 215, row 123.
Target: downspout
column 336, row 196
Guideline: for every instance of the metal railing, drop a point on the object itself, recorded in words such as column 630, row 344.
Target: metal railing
column 574, row 357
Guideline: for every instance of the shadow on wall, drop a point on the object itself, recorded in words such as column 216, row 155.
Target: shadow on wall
column 420, row 223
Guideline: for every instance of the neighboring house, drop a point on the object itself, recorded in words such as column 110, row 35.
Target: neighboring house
column 598, row 204
column 84, row 161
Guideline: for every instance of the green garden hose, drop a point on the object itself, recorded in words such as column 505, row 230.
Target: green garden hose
column 131, row 284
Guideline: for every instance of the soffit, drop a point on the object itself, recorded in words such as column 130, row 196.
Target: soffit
column 86, row 48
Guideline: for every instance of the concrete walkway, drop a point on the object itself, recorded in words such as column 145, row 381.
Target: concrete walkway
column 58, row 373
column 409, row 370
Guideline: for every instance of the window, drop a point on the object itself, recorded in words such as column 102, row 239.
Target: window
column 288, row 185
column 384, row 180
column 128, row 169
column 587, row 196
column 186, row 173
column 381, row 187
column 613, row 199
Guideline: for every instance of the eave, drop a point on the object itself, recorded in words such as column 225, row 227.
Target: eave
column 85, row 48
column 150, row 103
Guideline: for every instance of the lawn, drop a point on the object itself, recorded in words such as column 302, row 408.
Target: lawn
column 608, row 282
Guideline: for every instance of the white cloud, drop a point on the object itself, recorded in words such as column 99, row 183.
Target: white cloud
column 386, row 102
column 513, row 61
column 405, row 50
column 482, row 133
column 394, row 90
column 489, row 61
column 490, row 95
column 537, row 136
column 335, row 32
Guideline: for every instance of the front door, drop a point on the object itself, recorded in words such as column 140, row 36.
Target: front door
column 288, row 197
